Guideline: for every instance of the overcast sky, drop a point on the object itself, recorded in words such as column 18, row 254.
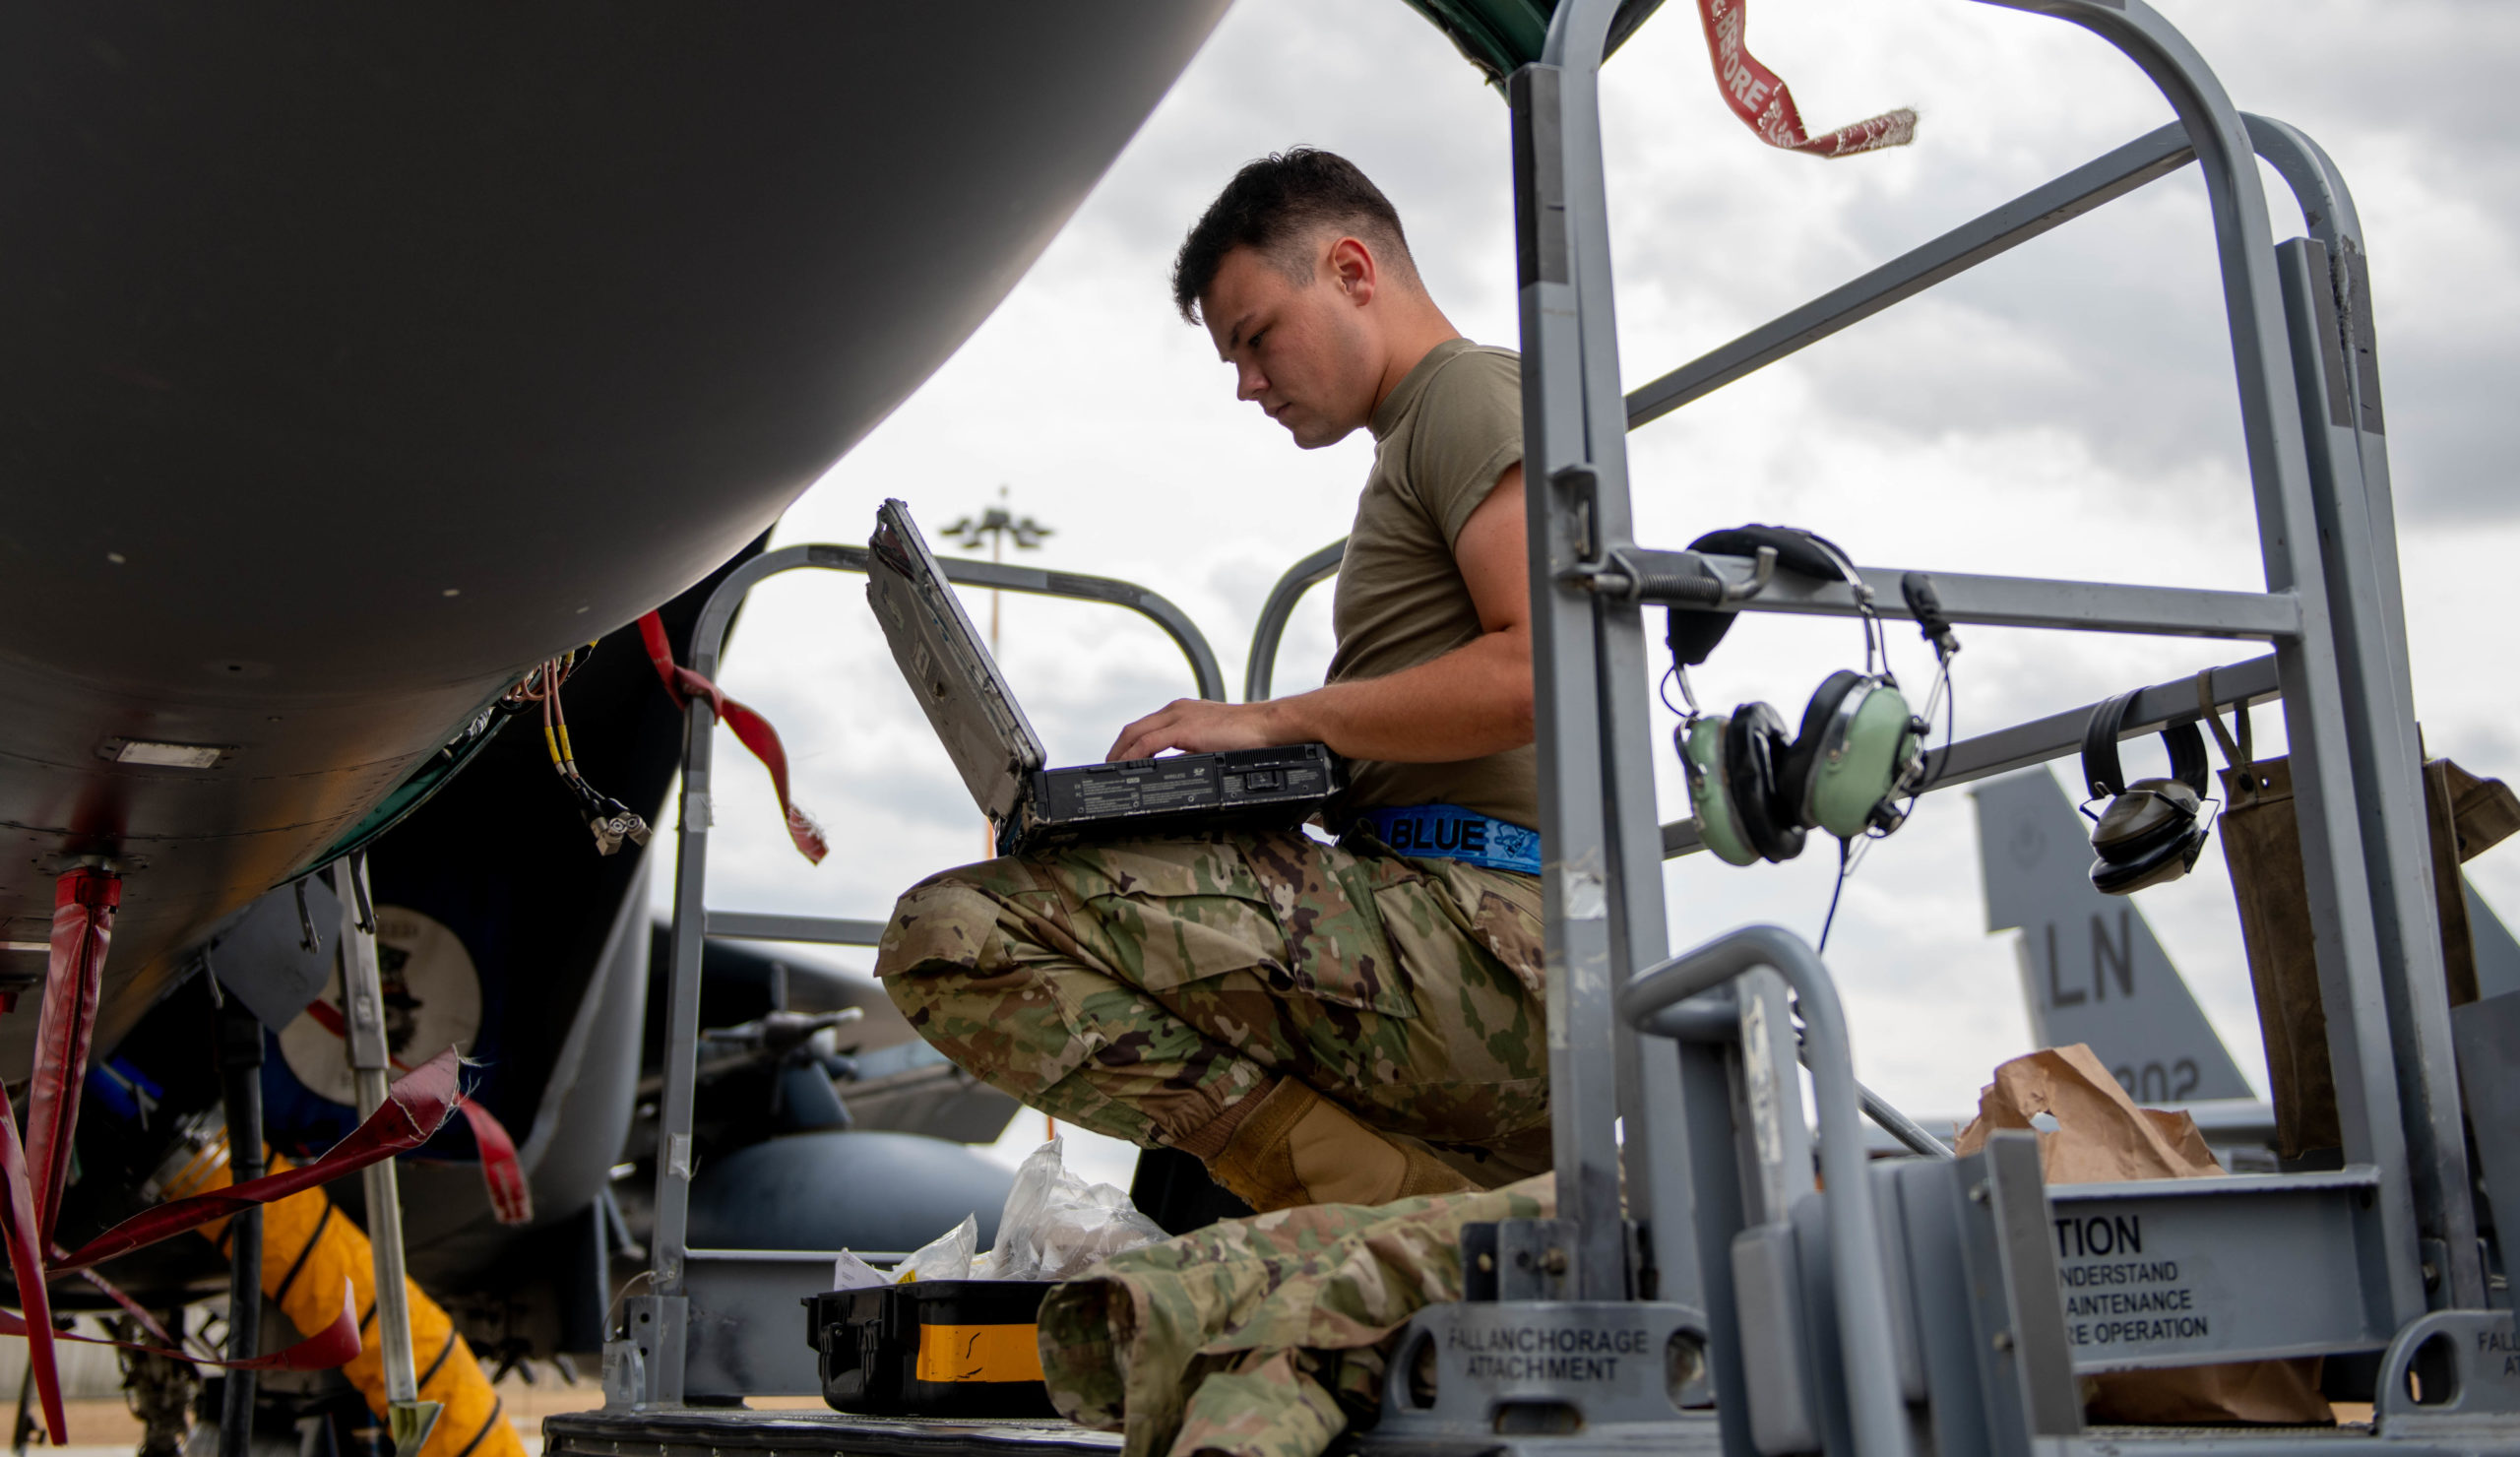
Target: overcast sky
column 2066, row 410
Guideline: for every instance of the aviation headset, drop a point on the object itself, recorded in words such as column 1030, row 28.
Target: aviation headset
column 1759, row 789
column 2152, row 830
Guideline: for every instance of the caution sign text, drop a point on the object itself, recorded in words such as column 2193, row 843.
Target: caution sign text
column 2116, row 1295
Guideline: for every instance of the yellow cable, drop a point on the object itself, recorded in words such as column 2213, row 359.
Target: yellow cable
column 305, row 1236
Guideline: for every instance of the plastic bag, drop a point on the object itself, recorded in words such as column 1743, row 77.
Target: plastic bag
column 1056, row 1225
column 849, row 1272
column 946, row 1257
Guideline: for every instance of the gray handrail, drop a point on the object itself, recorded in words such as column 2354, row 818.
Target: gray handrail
column 708, row 633
column 1602, row 887
column 1899, row 1126
column 1299, row 579
column 2156, row 153
column 2350, row 475
column 2393, row 1111
column 691, row 917
column 1684, row 578
column 1862, row 1283
column 2326, row 206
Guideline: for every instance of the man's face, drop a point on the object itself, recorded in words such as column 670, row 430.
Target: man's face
column 1302, row 351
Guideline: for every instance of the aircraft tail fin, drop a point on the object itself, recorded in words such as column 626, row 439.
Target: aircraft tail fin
column 2497, row 954
column 2092, row 971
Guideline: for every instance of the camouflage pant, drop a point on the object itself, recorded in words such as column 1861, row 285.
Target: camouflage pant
column 1141, row 989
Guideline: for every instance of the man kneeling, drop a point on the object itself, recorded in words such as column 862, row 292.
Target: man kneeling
column 1319, row 1024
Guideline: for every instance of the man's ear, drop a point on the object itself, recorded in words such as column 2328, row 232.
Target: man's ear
column 1351, row 266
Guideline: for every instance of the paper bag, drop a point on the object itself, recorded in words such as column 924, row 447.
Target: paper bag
column 2098, row 1135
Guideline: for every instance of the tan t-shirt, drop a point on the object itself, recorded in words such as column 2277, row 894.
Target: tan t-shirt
column 1442, row 438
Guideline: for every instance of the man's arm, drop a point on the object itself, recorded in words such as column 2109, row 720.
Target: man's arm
column 1474, row 701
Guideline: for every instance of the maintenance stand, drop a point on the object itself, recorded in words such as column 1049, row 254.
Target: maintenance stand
column 1904, row 1307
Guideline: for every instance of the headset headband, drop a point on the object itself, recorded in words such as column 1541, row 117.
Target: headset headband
column 1874, row 659
column 1693, row 632
column 2102, row 776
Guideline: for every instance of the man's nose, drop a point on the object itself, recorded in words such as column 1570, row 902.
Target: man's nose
column 1249, row 382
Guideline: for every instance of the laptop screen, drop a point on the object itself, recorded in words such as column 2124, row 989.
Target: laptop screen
column 947, row 667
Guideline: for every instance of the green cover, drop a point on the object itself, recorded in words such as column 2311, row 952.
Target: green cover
column 1502, row 37
column 434, row 773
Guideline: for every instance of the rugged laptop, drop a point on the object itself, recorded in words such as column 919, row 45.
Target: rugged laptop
column 1000, row 757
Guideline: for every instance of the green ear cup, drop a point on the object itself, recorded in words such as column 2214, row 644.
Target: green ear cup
column 1862, row 754
column 1700, row 743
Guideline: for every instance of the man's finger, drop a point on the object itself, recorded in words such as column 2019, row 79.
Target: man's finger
column 1125, row 746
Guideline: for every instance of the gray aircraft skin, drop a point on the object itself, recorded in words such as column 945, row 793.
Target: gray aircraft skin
column 359, row 358
column 2091, row 969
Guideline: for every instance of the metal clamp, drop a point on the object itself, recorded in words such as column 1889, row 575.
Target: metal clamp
column 1619, row 577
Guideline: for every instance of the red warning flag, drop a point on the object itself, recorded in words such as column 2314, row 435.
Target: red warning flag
column 502, row 1177
column 335, row 1345
column 1761, row 97
column 83, row 926
column 414, row 1107
column 754, row 732
column 26, row 1264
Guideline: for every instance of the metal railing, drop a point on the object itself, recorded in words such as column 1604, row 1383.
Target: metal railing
column 660, row 1321
column 2302, row 355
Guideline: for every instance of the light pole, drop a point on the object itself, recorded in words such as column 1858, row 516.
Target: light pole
column 996, row 526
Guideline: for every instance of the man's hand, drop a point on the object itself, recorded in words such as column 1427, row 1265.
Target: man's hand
column 1198, row 725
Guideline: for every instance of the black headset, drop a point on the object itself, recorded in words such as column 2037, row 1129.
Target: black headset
column 2152, row 830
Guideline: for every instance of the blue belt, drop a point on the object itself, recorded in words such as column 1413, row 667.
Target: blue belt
column 1452, row 833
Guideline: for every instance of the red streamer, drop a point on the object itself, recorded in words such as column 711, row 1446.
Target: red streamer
column 1761, row 97
column 328, row 1347
column 502, row 1175
column 130, row 1306
column 750, row 729
column 83, row 923
column 413, row 1109
column 25, row 1263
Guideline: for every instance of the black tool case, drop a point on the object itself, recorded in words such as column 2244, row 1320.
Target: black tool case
column 931, row 1348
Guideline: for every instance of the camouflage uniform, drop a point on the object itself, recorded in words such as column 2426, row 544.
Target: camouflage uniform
column 1260, row 1337
column 1141, row 989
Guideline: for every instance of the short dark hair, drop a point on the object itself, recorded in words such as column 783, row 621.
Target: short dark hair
column 1275, row 202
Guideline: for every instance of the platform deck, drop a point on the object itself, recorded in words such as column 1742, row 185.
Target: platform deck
column 725, row 1431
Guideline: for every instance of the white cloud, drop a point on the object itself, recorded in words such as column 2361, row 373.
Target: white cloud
column 2066, row 411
